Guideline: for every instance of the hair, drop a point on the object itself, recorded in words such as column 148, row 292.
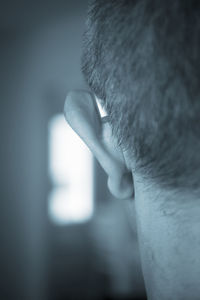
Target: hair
column 142, row 59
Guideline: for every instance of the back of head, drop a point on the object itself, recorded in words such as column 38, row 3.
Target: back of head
column 142, row 59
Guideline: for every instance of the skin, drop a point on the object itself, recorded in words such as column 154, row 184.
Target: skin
column 168, row 223
column 169, row 237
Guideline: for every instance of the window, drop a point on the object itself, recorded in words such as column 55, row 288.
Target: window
column 71, row 174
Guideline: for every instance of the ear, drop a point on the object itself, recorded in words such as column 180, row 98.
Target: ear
column 82, row 114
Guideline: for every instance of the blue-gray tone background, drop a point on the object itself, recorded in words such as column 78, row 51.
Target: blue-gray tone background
column 39, row 63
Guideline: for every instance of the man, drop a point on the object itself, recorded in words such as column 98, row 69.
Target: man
column 141, row 58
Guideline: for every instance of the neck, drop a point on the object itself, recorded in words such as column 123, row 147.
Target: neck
column 168, row 226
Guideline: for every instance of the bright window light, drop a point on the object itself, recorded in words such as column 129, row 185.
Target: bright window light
column 71, row 173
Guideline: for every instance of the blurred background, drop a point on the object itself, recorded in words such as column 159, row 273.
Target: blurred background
column 62, row 235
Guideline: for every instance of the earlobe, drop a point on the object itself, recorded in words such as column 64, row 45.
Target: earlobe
column 82, row 114
column 122, row 187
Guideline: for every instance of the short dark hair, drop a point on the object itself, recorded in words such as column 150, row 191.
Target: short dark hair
column 142, row 58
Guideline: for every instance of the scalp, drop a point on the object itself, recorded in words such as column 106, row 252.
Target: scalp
column 142, row 59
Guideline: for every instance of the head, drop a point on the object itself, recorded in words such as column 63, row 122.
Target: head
column 141, row 59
